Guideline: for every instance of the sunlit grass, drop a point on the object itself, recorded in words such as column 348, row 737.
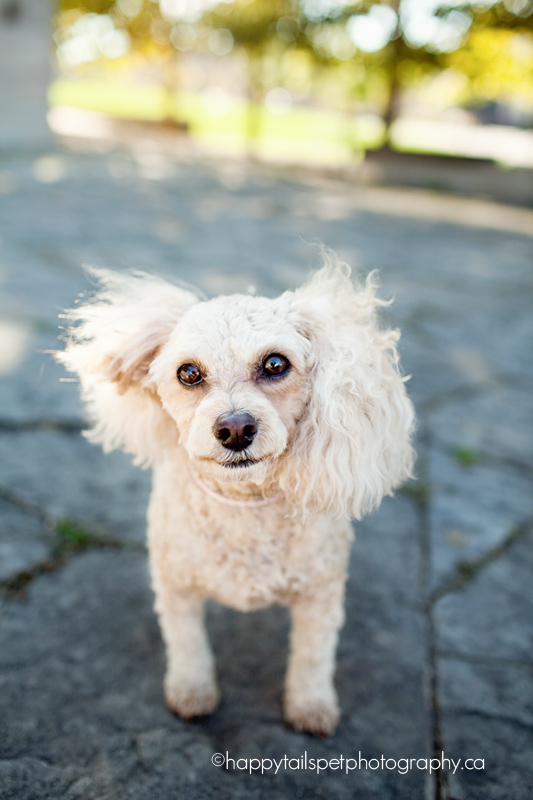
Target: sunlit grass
column 120, row 100
column 309, row 134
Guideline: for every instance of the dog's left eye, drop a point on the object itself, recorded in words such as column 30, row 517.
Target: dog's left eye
column 189, row 375
column 275, row 365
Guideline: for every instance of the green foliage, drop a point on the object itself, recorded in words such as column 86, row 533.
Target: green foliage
column 466, row 457
column 73, row 537
column 320, row 49
column 419, row 492
column 256, row 23
column 496, row 54
column 86, row 6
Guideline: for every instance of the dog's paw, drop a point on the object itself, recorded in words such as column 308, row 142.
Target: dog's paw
column 318, row 717
column 189, row 702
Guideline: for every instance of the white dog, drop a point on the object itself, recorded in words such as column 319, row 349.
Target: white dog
column 267, row 423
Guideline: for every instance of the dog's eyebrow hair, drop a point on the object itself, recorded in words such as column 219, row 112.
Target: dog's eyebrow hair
column 280, row 350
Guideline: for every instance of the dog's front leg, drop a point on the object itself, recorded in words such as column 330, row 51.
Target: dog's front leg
column 190, row 682
column 310, row 698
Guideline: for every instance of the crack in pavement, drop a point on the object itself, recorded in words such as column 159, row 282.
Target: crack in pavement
column 14, row 499
column 66, row 538
column 484, row 660
column 420, row 494
column 16, row 586
column 468, row 570
column 62, row 426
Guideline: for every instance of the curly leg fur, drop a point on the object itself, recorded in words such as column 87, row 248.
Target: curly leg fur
column 190, row 682
column 311, row 702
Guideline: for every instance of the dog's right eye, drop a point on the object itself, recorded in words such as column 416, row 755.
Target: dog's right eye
column 189, row 375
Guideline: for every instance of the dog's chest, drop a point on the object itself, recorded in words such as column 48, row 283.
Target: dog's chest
column 240, row 560
column 246, row 564
column 243, row 557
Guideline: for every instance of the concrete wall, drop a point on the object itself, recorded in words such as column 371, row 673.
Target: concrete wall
column 25, row 45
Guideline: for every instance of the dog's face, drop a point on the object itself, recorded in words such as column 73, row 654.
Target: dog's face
column 234, row 375
column 301, row 392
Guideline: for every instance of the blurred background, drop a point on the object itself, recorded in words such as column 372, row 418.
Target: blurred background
column 320, row 82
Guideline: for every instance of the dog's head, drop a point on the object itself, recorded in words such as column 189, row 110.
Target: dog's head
column 302, row 390
column 234, row 375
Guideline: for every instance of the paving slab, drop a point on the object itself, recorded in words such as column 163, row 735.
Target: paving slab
column 484, row 708
column 474, row 508
column 34, row 290
column 35, row 389
column 492, row 616
column 25, row 541
column 82, row 707
column 432, row 373
column 437, row 644
column 498, row 423
column 68, row 478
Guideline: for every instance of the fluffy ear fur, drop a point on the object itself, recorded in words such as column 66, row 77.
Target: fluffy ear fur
column 111, row 341
column 352, row 445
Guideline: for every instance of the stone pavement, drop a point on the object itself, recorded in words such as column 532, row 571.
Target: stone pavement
column 436, row 651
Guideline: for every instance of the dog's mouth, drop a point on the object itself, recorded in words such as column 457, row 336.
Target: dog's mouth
column 244, row 462
column 241, row 463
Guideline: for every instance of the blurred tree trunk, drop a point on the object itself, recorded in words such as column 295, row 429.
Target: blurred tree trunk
column 171, row 81
column 393, row 102
column 170, row 88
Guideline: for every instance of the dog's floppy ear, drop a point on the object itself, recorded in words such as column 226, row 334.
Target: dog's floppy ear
column 111, row 341
column 352, row 445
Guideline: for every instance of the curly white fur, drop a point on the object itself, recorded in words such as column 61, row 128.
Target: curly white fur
column 333, row 437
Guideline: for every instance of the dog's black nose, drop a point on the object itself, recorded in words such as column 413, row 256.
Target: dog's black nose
column 235, row 431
